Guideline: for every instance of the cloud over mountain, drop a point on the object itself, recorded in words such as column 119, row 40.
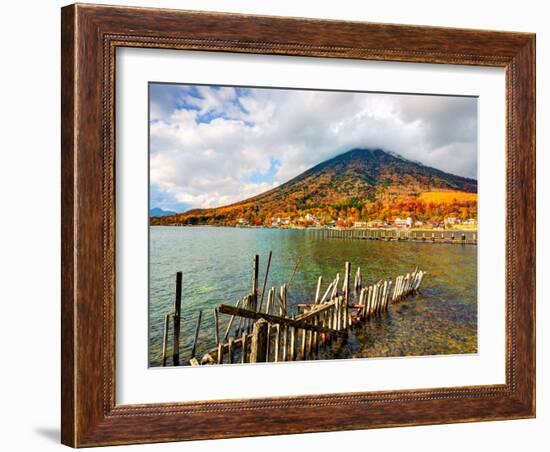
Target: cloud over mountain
column 211, row 146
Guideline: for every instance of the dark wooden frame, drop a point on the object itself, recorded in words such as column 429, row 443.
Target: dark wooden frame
column 90, row 35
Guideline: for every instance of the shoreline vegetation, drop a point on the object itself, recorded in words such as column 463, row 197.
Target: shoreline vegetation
column 456, row 228
column 453, row 210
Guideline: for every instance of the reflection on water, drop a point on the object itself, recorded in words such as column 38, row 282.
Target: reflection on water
column 217, row 268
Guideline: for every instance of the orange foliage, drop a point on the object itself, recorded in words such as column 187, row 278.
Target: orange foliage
column 447, row 197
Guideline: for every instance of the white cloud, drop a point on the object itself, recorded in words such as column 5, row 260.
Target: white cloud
column 211, row 147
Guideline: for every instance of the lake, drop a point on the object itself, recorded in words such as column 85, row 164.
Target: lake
column 216, row 263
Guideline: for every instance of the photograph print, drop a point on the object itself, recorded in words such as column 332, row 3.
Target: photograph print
column 301, row 225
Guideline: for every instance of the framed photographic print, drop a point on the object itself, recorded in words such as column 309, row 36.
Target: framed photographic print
column 281, row 225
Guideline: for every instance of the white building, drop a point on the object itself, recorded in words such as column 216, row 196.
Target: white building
column 376, row 224
column 399, row 223
column 279, row 221
column 451, row 221
column 312, row 218
column 360, row 224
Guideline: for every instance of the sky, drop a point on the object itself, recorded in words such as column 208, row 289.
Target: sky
column 211, row 146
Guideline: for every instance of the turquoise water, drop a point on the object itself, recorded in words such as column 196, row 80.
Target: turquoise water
column 216, row 263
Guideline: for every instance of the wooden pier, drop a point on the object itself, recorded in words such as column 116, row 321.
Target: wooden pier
column 257, row 332
column 465, row 237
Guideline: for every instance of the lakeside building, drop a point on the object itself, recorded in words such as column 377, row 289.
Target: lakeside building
column 437, row 225
column 313, row 219
column 280, row 221
column 360, row 224
column 451, row 221
column 403, row 224
column 376, row 224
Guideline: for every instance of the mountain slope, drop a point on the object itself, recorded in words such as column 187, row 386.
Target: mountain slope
column 360, row 184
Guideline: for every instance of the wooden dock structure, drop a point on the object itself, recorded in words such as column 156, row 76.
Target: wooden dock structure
column 464, row 237
column 267, row 332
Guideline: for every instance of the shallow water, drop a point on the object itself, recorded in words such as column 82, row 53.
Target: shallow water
column 217, row 268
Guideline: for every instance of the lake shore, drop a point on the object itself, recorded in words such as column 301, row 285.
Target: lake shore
column 316, row 228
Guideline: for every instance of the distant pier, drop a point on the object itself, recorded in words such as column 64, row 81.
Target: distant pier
column 465, row 237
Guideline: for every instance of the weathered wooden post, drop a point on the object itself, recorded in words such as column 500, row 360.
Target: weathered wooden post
column 343, row 312
column 249, row 304
column 337, row 313
column 230, row 351
column 165, row 338
column 383, row 296
column 303, row 345
column 268, row 341
column 292, row 351
column 374, row 297
column 380, row 297
column 244, row 347
column 220, row 353
column 388, row 298
column 270, row 300
column 196, row 334
column 357, row 283
column 177, row 321
column 336, row 319
column 368, row 297
column 327, row 292
column 342, row 304
column 285, row 300
column 335, row 286
column 420, row 280
column 321, row 337
column 258, row 353
column 395, row 289
column 265, row 281
column 318, row 291
column 346, row 293
column 226, row 335
column 285, row 341
column 416, row 282
column 282, row 300
column 399, row 284
column 277, row 341
column 315, row 336
column 242, row 324
column 363, row 302
column 255, row 282
column 217, row 325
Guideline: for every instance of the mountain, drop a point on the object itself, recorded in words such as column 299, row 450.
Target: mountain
column 158, row 212
column 358, row 185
